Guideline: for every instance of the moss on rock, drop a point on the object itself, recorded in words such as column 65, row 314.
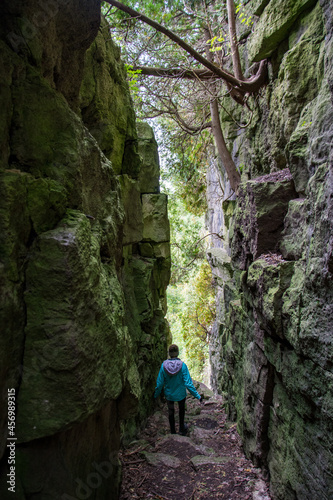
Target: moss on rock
column 267, row 284
column 83, row 310
column 275, row 341
column 106, row 105
column 155, row 218
column 258, row 220
column 68, row 297
column 274, row 25
column 149, row 176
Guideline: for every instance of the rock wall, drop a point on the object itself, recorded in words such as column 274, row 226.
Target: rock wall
column 272, row 349
column 85, row 255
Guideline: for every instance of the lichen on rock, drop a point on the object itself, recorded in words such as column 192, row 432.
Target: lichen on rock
column 83, row 305
column 272, row 344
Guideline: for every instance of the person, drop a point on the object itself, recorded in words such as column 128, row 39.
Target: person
column 174, row 377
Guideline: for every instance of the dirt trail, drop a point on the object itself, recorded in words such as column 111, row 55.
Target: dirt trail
column 206, row 464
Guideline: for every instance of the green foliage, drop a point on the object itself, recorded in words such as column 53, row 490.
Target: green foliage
column 242, row 15
column 181, row 106
column 221, row 42
column 306, row 124
column 184, row 162
column 191, row 313
column 216, row 43
column 132, row 75
column 190, row 293
column 180, row 110
column 186, row 233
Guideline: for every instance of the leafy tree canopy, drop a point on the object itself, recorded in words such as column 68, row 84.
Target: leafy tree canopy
column 186, row 46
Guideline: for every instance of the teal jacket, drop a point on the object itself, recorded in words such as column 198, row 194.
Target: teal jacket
column 175, row 378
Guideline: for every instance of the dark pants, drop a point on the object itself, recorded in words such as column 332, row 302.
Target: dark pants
column 171, row 408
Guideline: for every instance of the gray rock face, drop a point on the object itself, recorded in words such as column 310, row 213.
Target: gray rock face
column 83, row 326
column 155, row 218
column 274, row 25
column 262, row 206
column 272, row 346
column 149, row 176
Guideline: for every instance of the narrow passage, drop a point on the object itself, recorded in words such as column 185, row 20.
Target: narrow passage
column 206, row 464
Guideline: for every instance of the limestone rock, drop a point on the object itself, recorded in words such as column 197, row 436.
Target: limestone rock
column 258, row 6
column 295, row 228
column 260, row 491
column 81, row 335
column 200, row 435
column 298, row 84
column 259, row 220
column 149, row 177
column 65, row 275
column 153, row 250
column 105, row 104
column 274, row 25
column 131, row 198
column 267, row 284
column 157, row 459
column 142, row 272
column 155, row 218
column 272, row 345
column 204, row 391
column 176, row 438
column 200, row 460
column 221, row 264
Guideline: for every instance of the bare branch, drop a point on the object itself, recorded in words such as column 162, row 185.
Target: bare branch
column 185, row 126
column 190, row 74
column 206, row 236
column 239, row 125
column 202, row 326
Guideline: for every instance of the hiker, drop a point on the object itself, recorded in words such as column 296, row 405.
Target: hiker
column 175, row 378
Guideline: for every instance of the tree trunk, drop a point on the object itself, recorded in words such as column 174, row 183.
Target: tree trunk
column 233, row 41
column 227, row 161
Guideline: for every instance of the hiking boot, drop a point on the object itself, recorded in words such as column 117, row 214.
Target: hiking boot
column 183, row 431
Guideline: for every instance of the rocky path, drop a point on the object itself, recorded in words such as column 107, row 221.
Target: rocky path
column 206, row 464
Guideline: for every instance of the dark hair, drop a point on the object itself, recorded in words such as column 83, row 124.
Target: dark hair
column 173, row 351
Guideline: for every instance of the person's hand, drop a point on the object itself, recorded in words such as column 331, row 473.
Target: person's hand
column 201, row 401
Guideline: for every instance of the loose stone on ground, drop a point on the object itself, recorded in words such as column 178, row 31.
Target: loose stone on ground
column 206, row 464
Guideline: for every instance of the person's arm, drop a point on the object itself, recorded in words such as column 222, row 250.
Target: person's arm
column 159, row 382
column 188, row 382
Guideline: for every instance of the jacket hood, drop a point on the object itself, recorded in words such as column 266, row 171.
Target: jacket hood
column 172, row 366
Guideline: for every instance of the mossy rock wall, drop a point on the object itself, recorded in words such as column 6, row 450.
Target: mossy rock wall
column 272, row 348
column 83, row 329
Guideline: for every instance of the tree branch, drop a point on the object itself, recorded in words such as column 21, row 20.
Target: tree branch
column 228, row 163
column 233, row 40
column 202, row 326
column 246, row 86
column 191, row 74
column 185, row 126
